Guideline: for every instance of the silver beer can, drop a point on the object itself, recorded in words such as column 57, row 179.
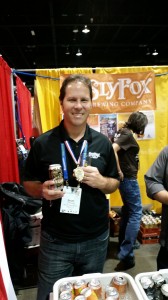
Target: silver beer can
column 66, row 295
column 120, row 283
column 55, row 173
column 111, row 293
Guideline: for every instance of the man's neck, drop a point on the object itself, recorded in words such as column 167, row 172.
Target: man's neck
column 75, row 132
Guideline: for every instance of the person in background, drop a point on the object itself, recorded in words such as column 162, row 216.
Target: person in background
column 75, row 224
column 126, row 150
column 156, row 180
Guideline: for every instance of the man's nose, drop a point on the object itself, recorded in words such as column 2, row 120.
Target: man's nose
column 78, row 104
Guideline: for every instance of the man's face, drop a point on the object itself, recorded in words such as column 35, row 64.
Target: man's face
column 76, row 104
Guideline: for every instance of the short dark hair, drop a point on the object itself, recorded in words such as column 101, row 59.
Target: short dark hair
column 71, row 78
column 137, row 122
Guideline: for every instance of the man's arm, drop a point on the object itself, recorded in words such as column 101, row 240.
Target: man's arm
column 156, row 179
column 33, row 188
column 162, row 197
column 109, row 185
column 42, row 190
column 155, row 190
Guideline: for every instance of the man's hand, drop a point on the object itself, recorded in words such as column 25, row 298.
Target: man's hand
column 49, row 192
column 93, row 178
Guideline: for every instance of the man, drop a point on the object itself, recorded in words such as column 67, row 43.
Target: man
column 74, row 232
column 156, row 180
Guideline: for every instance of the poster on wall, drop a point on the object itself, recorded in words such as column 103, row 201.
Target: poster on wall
column 109, row 124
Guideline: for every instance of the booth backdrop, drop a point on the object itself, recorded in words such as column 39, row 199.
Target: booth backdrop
column 47, row 95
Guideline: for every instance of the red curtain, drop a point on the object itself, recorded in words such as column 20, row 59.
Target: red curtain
column 6, row 287
column 9, row 170
column 3, row 294
column 24, row 111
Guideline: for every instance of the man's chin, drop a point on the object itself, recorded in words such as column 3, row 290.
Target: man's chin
column 78, row 122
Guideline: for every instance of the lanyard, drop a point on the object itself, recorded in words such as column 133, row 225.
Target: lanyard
column 64, row 163
column 81, row 155
column 81, row 159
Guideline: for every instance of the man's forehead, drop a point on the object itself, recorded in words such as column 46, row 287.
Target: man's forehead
column 77, row 84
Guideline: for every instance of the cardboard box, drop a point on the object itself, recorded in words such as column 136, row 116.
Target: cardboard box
column 114, row 223
column 132, row 290
column 35, row 227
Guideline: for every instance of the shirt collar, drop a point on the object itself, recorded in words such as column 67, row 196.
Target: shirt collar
column 63, row 135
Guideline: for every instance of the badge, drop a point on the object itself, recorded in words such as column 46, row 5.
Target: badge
column 79, row 173
column 70, row 202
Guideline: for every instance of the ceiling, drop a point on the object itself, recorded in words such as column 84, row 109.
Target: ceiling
column 122, row 33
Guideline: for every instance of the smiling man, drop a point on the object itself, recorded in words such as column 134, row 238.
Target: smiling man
column 75, row 224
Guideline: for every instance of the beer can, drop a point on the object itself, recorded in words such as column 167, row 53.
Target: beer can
column 147, row 282
column 96, row 286
column 79, row 285
column 148, row 286
column 120, row 283
column 164, row 290
column 66, row 295
column 89, row 294
column 66, row 286
column 158, row 279
column 55, row 173
column 111, row 293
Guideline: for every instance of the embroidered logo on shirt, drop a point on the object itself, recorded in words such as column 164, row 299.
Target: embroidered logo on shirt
column 93, row 154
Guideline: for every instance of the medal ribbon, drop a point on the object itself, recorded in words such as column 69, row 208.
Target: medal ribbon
column 63, row 152
column 83, row 151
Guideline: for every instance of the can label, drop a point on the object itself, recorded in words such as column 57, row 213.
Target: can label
column 55, row 173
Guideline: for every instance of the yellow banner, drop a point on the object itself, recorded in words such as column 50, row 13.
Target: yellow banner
column 125, row 92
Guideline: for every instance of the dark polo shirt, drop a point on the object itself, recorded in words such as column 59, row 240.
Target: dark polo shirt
column 92, row 219
column 128, row 153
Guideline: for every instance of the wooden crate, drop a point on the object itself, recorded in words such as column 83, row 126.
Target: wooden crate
column 148, row 230
column 148, row 237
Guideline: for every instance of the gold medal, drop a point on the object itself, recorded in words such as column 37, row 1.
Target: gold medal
column 79, row 173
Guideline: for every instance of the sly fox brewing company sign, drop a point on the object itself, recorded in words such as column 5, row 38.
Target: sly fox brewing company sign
column 124, row 92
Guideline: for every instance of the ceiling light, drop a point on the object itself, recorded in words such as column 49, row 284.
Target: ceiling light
column 75, row 30
column 155, row 52
column 148, row 52
column 79, row 53
column 33, row 32
column 85, row 30
column 67, row 51
column 79, row 15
